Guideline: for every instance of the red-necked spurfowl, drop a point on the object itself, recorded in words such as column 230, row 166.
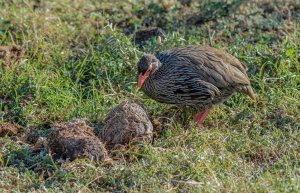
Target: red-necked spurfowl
column 198, row 76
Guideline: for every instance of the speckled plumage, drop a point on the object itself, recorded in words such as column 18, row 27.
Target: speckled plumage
column 198, row 76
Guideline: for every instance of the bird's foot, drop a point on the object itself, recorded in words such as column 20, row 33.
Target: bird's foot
column 199, row 117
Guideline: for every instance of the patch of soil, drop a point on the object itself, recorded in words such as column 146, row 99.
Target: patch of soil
column 185, row 2
column 124, row 123
column 262, row 155
column 32, row 136
column 157, row 124
column 40, row 144
column 75, row 139
column 11, row 53
column 145, row 34
column 8, row 129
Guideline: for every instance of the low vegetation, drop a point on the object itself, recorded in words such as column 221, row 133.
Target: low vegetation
column 77, row 59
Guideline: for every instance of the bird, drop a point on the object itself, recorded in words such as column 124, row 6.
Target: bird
column 193, row 75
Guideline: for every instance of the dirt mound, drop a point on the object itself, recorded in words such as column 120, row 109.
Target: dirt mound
column 8, row 129
column 145, row 34
column 126, row 122
column 11, row 53
column 75, row 139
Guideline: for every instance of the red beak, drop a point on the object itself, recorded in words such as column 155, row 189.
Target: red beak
column 142, row 77
column 141, row 80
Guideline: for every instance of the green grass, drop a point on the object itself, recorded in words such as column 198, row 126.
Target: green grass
column 80, row 62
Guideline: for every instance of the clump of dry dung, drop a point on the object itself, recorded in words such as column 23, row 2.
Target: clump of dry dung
column 126, row 122
column 8, row 129
column 10, row 54
column 145, row 34
column 75, row 139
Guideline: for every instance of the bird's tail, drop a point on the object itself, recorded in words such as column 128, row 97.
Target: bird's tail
column 249, row 91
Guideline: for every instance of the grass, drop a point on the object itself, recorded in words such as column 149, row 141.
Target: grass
column 80, row 62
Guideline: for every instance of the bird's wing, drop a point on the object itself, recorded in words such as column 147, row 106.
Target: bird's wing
column 184, row 87
column 212, row 65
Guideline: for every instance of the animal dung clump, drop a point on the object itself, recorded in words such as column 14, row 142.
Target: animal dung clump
column 75, row 139
column 126, row 122
column 145, row 34
column 8, row 129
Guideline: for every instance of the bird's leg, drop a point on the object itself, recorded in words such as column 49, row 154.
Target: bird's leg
column 199, row 117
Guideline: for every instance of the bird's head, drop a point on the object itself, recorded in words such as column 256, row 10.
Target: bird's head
column 147, row 65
